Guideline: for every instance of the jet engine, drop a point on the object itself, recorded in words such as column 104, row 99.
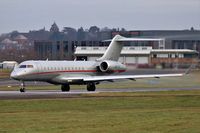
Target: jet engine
column 111, row 66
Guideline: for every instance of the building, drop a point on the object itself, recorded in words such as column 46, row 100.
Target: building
column 144, row 56
column 54, row 50
column 8, row 64
column 173, row 39
column 61, row 45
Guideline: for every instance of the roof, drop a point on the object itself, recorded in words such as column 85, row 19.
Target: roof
column 9, row 62
column 129, row 50
column 6, row 41
column 21, row 37
column 173, row 51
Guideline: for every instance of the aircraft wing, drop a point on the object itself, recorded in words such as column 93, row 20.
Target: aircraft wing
column 131, row 77
column 114, row 77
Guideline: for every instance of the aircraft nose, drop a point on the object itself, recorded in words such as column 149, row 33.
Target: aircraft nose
column 14, row 75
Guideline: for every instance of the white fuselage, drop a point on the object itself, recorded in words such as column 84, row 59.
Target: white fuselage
column 51, row 71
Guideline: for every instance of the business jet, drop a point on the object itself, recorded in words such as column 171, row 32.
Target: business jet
column 90, row 73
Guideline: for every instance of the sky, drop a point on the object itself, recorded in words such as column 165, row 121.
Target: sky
column 25, row 15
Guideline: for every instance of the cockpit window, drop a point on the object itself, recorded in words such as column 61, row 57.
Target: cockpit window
column 29, row 66
column 26, row 66
column 22, row 66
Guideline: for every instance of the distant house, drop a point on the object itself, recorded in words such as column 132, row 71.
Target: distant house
column 21, row 39
column 7, row 44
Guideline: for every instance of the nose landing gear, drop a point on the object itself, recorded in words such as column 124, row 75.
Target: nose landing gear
column 22, row 89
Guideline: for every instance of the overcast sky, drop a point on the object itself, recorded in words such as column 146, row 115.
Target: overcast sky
column 25, row 15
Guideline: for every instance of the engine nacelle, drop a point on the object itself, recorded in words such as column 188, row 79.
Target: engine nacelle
column 111, row 67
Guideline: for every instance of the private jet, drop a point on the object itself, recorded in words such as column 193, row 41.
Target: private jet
column 90, row 73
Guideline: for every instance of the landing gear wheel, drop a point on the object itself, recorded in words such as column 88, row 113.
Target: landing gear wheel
column 65, row 88
column 22, row 90
column 91, row 87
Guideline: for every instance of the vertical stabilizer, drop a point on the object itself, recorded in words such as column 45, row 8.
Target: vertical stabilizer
column 114, row 50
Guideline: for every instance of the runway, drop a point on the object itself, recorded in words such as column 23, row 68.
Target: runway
column 52, row 94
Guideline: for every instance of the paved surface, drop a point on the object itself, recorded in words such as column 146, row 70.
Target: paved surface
column 42, row 94
column 11, row 82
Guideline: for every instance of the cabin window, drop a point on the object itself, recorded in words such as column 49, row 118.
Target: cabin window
column 29, row 66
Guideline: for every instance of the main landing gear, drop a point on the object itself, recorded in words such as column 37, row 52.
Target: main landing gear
column 91, row 87
column 65, row 88
column 22, row 89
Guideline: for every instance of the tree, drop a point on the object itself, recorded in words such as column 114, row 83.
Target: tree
column 81, row 34
column 94, row 29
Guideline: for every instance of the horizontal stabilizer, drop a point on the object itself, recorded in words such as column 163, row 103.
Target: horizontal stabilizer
column 138, row 39
column 135, row 39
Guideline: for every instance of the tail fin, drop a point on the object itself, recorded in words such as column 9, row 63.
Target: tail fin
column 114, row 50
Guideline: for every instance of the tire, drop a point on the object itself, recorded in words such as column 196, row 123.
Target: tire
column 22, row 90
column 91, row 87
column 65, row 88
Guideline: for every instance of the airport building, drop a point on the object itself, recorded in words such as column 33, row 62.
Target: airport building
column 54, row 50
column 61, row 48
column 144, row 56
column 172, row 39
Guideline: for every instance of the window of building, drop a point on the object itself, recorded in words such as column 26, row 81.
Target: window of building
column 173, row 55
column 162, row 55
column 143, row 48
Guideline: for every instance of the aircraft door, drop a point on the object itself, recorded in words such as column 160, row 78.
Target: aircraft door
column 38, row 67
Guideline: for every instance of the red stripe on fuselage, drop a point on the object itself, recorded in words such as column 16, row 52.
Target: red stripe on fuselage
column 72, row 71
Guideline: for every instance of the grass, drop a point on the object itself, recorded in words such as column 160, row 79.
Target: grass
column 5, row 73
column 141, row 112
